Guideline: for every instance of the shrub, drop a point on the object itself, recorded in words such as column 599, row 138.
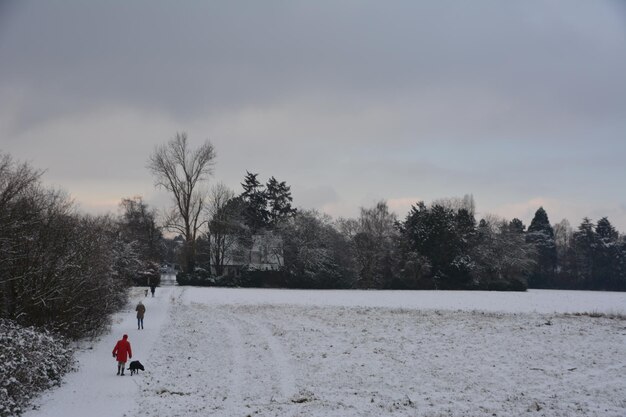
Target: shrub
column 32, row 361
column 199, row 278
column 247, row 278
column 259, row 278
column 513, row 284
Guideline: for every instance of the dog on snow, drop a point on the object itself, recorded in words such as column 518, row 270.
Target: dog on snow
column 135, row 366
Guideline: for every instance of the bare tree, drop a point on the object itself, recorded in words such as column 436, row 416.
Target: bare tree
column 58, row 268
column 138, row 229
column 16, row 180
column 181, row 171
column 348, row 227
column 224, row 217
column 138, row 223
column 373, row 244
column 316, row 255
column 503, row 256
column 563, row 236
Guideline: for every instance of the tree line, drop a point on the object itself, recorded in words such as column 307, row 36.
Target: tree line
column 440, row 246
column 62, row 269
column 436, row 246
column 66, row 270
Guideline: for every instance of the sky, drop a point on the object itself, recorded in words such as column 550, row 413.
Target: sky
column 521, row 104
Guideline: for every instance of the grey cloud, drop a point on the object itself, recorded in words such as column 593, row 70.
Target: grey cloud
column 376, row 98
column 195, row 58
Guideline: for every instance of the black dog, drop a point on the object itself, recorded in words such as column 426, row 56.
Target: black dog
column 135, row 366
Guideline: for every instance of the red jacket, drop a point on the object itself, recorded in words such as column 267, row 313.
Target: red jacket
column 122, row 349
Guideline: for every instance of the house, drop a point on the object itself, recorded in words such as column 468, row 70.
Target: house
column 264, row 252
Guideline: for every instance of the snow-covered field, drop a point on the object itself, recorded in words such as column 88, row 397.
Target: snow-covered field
column 250, row 352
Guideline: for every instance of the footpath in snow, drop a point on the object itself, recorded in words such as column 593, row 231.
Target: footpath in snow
column 95, row 390
column 253, row 352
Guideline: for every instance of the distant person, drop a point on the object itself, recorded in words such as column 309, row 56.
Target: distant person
column 141, row 310
column 122, row 352
column 152, row 288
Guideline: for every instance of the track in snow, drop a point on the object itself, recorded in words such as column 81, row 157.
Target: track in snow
column 217, row 361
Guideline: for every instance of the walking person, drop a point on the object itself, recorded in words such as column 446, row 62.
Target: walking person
column 122, row 352
column 141, row 310
column 152, row 287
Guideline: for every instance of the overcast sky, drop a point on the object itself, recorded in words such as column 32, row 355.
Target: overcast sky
column 520, row 103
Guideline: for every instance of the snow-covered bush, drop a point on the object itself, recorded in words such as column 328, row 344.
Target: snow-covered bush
column 32, row 361
column 59, row 269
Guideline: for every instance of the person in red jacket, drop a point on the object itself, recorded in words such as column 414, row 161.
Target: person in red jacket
column 122, row 352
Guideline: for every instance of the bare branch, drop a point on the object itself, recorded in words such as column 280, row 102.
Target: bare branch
column 181, row 171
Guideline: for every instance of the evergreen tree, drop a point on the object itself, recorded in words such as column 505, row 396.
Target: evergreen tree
column 599, row 256
column 255, row 198
column 585, row 243
column 279, row 201
column 606, row 257
column 620, row 285
column 541, row 234
column 605, row 230
column 516, row 226
column 444, row 236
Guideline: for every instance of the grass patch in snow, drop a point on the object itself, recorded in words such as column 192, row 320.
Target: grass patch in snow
column 598, row 314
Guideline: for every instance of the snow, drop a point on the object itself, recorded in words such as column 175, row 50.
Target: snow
column 20, row 348
column 532, row 301
column 256, row 352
